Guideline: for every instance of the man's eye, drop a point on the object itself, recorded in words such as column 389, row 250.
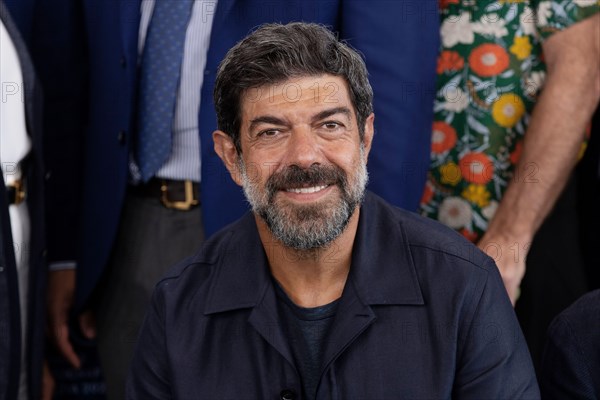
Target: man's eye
column 331, row 125
column 268, row 133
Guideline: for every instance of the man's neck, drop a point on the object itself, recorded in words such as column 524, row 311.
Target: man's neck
column 315, row 277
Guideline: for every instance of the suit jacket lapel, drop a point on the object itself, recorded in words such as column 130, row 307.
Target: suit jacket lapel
column 129, row 13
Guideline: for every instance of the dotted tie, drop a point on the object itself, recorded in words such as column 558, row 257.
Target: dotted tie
column 159, row 81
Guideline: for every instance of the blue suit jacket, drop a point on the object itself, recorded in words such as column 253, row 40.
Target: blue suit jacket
column 399, row 40
column 423, row 315
column 10, row 328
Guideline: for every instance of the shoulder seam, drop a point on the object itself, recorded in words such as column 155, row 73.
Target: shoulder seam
column 168, row 278
column 482, row 266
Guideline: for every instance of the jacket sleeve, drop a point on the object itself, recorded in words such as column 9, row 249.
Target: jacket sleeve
column 10, row 324
column 149, row 372
column 493, row 361
column 59, row 55
column 399, row 41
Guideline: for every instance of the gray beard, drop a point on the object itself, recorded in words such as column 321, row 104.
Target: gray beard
column 310, row 227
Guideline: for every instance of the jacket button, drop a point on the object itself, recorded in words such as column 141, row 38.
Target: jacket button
column 123, row 62
column 122, row 137
column 287, row 394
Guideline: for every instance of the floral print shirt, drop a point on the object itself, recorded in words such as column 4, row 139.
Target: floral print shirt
column 490, row 72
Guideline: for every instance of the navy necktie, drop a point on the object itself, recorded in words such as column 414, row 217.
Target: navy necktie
column 159, row 82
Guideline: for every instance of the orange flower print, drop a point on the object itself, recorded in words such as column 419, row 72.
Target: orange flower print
column 446, row 3
column 443, row 137
column 449, row 61
column 427, row 194
column 471, row 236
column 476, row 168
column 488, row 59
column 516, row 153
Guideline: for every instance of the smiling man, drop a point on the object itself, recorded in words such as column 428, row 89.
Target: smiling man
column 312, row 142
column 323, row 291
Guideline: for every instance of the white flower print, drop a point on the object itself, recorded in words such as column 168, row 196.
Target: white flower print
column 584, row 3
column 544, row 12
column 527, row 20
column 490, row 24
column 456, row 99
column 535, row 82
column 455, row 212
column 457, row 30
column 489, row 211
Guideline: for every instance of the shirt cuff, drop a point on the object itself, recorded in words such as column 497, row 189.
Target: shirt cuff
column 62, row 265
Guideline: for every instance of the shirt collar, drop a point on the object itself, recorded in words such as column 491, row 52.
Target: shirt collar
column 382, row 270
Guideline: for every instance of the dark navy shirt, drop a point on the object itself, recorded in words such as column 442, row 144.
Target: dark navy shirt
column 306, row 330
column 423, row 315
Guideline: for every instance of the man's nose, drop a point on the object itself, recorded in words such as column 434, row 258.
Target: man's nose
column 303, row 148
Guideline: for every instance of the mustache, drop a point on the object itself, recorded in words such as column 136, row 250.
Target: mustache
column 316, row 175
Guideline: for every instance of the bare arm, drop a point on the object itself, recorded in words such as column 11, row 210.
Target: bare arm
column 551, row 145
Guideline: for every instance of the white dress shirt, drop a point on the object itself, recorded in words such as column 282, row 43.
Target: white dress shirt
column 184, row 161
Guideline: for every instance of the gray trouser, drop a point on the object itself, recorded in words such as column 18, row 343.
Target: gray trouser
column 151, row 239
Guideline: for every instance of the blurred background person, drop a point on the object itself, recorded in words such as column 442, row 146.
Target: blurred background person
column 571, row 360
column 22, row 264
column 54, row 41
column 503, row 149
column 588, row 179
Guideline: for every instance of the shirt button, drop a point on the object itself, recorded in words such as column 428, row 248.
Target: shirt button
column 287, row 394
column 207, row 72
column 122, row 137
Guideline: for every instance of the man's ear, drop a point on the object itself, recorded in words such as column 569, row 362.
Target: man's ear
column 369, row 133
column 225, row 148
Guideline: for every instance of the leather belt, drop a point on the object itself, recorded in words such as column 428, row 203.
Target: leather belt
column 15, row 192
column 177, row 195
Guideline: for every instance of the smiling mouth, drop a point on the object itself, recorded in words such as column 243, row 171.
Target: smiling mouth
column 307, row 190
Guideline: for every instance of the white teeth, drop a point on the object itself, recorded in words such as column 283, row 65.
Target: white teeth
column 312, row 189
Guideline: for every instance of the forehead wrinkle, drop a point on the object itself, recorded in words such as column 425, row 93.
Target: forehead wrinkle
column 266, row 119
column 272, row 102
column 332, row 111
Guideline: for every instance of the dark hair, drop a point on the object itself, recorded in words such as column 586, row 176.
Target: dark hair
column 274, row 53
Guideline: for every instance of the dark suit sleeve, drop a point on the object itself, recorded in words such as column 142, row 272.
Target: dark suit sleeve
column 10, row 322
column 399, row 40
column 58, row 53
column 493, row 359
column 149, row 374
column 565, row 373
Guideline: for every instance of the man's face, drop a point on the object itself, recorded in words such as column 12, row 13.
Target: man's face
column 303, row 165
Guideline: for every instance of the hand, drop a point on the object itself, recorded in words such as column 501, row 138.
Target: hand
column 509, row 255
column 61, row 290
column 47, row 383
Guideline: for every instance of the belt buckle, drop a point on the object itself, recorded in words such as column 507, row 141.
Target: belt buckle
column 185, row 205
column 19, row 189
